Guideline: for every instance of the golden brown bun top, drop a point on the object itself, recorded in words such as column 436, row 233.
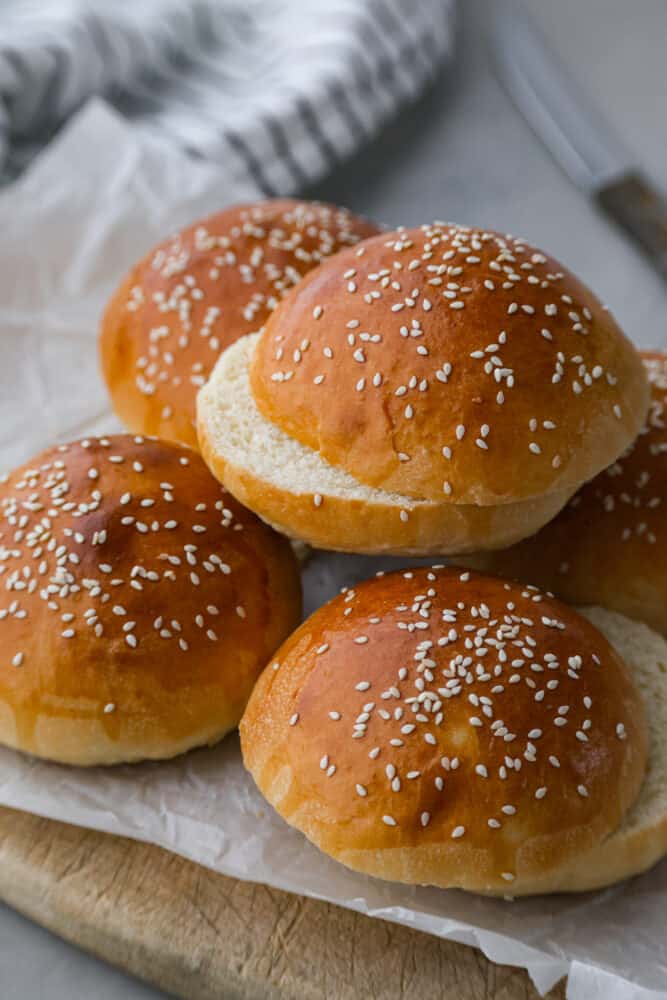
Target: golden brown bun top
column 451, row 364
column 200, row 290
column 607, row 545
column 134, row 591
column 433, row 706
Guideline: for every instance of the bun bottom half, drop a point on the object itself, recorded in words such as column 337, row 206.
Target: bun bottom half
column 293, row 489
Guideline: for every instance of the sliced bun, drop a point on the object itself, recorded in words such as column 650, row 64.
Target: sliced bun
column 141, row 603
column 196, row 292
column 445, row 728
column 293, row 488
column 607, row 545
column 456, row 384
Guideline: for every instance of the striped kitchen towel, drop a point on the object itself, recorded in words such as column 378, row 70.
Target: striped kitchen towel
column 276, row 91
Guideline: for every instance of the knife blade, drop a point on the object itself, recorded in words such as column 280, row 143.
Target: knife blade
column 575, row 132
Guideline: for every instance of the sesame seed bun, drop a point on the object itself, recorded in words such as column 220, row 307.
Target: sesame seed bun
column 196, row 292
column 297, row 492
column 443, row 365
column 607, row 545
column 446, row 728
column 140, row 604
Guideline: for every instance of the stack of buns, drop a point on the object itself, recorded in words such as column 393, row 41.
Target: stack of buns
column 442, row 390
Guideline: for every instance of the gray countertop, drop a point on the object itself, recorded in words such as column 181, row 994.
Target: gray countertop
column 463, row 153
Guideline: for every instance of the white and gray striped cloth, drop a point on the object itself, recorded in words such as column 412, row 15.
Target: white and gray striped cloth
column 278, row 91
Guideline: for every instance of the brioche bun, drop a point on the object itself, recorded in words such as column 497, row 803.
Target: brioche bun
column 140, row 603
column 324, row 506
column 447, row 368
column 199, row 290
column 445, row 728
column 607, row 545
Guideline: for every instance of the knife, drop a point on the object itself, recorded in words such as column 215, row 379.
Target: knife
column 576, row 133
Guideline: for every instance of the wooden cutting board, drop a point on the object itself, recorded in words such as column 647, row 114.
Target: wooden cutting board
column 206, row 937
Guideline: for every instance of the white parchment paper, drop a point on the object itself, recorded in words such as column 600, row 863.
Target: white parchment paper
column 93, row 203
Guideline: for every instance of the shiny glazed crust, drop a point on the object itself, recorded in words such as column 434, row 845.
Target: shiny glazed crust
column 449, row 729
column 199, row 290
column 140, row 602
column 451, row 364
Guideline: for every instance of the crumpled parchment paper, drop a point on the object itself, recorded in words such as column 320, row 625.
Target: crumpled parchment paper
column 95, row 201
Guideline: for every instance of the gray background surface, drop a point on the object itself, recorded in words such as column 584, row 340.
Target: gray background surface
column 463, row 153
